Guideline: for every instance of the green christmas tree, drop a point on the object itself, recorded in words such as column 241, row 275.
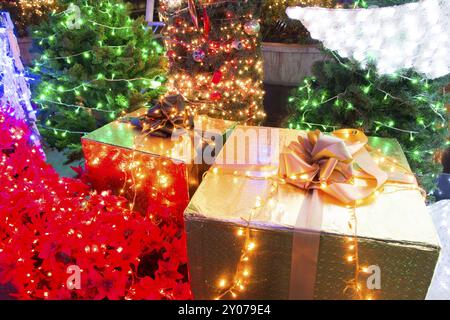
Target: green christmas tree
column 403, row 106
column 214, row 56
column 96, row 63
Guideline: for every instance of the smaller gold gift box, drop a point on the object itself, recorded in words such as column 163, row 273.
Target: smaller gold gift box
column 156, row 174
column 253, row 234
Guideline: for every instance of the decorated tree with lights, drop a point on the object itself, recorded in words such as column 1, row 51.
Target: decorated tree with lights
column 28, row 12
column 214, row 56
column 96, row 64
column 403, row 106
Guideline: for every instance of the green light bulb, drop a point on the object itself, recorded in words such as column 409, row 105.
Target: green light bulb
column 366, row 89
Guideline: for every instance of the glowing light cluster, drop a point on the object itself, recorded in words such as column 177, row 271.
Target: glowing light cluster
column 154, row 185
column 14, row 90
column 413, row 35
column 38, row 7
column 50, row 223
column 28, row 12
column 227, row 82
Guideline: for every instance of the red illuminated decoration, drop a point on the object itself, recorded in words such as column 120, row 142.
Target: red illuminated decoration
column 49, row 223
column 153, row 185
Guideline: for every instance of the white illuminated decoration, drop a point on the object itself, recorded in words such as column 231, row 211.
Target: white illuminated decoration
column 440, row 285
column 414, row 35
column 173, row 4
column 14, row 90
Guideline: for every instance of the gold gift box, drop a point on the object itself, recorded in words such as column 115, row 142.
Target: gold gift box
column 394, row 232
column 152, row 172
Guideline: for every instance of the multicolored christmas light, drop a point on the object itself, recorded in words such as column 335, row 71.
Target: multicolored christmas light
column 28, row 12
column 213, row 47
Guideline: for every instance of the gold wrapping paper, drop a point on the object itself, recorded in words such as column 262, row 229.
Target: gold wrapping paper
column 178, row 152
column 394, row 231
column 123, row 135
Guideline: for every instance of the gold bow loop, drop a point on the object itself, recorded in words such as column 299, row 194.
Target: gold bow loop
column 332, row 163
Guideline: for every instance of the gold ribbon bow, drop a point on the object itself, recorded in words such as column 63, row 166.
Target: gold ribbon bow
column 331, row 164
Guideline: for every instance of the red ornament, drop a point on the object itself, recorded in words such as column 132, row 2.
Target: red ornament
column 178, row 21
column 217, row 77
column 206, row 23
column 216, row 96
column 171, row 54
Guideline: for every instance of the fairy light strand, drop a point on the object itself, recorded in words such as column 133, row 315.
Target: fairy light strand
column 236, row 93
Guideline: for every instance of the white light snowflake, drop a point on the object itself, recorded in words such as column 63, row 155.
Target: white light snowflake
column 414, row 35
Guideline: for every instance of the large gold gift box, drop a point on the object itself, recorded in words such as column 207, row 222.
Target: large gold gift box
column 395, row 241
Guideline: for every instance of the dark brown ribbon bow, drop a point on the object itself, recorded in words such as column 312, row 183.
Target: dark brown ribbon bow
column 164, row 117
